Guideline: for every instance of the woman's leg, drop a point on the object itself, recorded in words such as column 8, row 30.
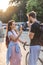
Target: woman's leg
column 15, row 57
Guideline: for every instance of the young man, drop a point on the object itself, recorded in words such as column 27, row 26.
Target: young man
column 34, row 36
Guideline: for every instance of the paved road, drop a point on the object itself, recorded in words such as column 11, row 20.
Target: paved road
column 3, row 49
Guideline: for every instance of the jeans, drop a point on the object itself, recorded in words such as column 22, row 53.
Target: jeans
column 34, row 54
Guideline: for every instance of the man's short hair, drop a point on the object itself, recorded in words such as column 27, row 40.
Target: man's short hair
column 32, row 14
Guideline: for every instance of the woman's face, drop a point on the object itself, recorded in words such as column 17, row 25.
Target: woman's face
column 13, row 25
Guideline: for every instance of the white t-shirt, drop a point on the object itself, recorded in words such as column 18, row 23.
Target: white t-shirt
column 12, row 33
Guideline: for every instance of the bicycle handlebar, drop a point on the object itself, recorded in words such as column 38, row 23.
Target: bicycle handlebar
column 25, row 45
column 29, row 45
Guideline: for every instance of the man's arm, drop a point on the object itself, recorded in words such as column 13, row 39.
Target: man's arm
column 31, row 35
column 32, row 31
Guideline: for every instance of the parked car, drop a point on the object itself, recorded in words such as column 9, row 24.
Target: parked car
column 25, row 26
column 17, row 26
column 4, row 25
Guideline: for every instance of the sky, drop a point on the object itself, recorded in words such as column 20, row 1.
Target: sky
column 4, row 4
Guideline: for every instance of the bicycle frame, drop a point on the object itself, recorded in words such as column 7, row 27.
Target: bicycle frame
column 28, row 53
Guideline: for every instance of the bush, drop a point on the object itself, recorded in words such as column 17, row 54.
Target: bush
column 37, row 6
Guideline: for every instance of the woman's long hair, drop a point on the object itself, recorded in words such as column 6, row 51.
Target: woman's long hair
column 8, row 29
column 9, row 25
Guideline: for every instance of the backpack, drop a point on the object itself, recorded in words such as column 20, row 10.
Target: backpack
column 7, row 39
column 41, row 35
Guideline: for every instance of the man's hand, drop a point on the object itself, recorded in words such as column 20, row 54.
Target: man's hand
column 21, row 29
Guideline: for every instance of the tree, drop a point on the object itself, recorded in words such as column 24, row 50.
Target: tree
column 21, row 7
column 37, row 6
column 12, row 1
column 15, row 17
column 7, row 15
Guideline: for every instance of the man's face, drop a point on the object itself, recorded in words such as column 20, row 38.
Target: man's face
column 30, row 19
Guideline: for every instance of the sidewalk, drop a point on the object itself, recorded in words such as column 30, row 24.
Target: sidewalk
column 3, row 54
column 23, row 62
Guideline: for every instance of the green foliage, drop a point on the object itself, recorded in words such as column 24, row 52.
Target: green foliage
column 37, row 6
column 7, row 15
column 21, row 7
column 14, row 17
column 11, row 1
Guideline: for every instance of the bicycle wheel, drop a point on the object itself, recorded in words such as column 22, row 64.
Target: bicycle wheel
column 27, row 58
column 40, row 61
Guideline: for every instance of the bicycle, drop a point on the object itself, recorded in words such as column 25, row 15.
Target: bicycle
column 27, row 55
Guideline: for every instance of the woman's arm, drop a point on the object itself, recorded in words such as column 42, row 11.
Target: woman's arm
column 18, row 35
column 21, row 41
column 15, row 38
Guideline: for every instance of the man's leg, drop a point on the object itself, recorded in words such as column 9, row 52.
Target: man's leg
column 34, row 54
column 37, row 52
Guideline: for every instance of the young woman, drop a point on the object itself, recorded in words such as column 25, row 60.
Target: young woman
column 13, row 51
